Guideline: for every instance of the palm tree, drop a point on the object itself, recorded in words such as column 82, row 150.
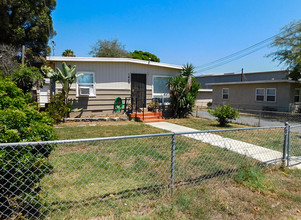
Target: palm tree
column 68, row 53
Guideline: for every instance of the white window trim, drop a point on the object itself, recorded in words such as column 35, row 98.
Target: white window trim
column 256, row 95
column 299, row 95
column 228, row 93
column 266, row 94
column 94, row 85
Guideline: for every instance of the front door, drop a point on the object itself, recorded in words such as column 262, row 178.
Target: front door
column 138, row 90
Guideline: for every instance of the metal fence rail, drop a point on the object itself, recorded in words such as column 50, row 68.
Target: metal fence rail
column 92, row 177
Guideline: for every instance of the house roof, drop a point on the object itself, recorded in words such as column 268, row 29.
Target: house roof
column 111, row 60
column 236, row 74
column 253, row 82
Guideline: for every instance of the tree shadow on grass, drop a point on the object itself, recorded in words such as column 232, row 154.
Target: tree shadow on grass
column 130, row 193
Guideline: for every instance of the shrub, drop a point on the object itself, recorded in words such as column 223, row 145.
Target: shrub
column 223, row 114
column 26, row 77
column 57, row 108
column 22, row 167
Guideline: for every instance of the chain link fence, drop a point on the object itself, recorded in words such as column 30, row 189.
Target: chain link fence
column 96, row 177
column 294, row 146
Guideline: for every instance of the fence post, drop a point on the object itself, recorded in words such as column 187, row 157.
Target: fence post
column 284, row 157
column 288, row 144
column 172, row 167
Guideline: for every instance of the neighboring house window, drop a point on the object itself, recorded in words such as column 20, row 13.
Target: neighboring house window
column 259, row 95
column 271, row 95
column 160, row 88
column 86, row 84
column 225, row 93
column 297, row 95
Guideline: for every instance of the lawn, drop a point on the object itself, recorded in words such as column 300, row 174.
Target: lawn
column 129, row 178
column 79, row 130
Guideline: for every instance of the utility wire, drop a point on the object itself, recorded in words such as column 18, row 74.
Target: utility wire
column 233, row 59
column 241, row 53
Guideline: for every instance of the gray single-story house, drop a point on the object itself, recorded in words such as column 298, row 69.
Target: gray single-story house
column 206, row 93
column 104, row 79
column 275, row 95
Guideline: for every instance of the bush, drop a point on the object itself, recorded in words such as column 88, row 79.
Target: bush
column 223, row 114
column 57, row 108
column 26, row 77
column 21, row 168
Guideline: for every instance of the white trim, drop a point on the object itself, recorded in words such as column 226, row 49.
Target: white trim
column 94, row 85
column 266, row 92
column 205, row 90
column 112, row 60
column 228, row 93
column 256, row 95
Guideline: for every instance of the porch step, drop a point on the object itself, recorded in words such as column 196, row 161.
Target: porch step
column 148, row 116
column 153, row 120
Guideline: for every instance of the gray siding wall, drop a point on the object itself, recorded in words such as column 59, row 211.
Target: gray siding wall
column 243, row 96
column 112, row 80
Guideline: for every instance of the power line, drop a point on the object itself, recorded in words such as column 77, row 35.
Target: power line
column 231, row 60
column 241, row 53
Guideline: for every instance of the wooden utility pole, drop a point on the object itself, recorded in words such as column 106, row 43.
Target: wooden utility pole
column 23, row 55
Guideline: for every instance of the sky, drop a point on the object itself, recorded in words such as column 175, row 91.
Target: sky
column 178, row 32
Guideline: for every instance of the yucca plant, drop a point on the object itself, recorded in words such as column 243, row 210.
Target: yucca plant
column 183, row 92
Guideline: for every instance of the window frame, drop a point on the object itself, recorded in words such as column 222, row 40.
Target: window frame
column 228, row 93
column 160, row 95
column 270, row 95
column 299, row 99
column 93, row 94
column 260, row 95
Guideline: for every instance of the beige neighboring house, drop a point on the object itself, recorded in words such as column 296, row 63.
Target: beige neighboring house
column 105, row 79
column 204, row 97
column 275, row 95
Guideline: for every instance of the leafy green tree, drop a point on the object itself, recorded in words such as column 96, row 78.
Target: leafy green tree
column 138, row 54
column 29, row 23
column 22, row 167
column 183, row 92
column 26, row 77
column 224, row 114
column 288, row 45
column 109, row 48
column 68, row 53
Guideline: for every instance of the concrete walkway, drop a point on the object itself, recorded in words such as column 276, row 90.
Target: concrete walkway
column 250, row 150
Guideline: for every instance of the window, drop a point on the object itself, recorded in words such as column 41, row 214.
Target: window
column 225, row 93
column 260, row 95
column 160, row 88
column 297, row 95
column 271, row 95
column 86, row 84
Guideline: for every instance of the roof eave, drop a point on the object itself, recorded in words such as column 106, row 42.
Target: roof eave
column 111, row 60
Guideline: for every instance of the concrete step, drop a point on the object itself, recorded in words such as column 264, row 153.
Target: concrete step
column 152, row 120
column 140, row 114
